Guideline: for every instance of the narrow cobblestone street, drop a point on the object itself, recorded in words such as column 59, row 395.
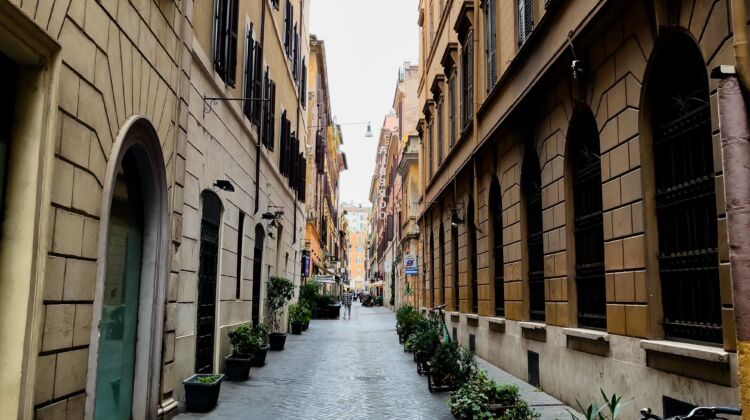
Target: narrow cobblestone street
column 338, row 369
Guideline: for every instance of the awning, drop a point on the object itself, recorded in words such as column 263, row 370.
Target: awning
column 326, row 279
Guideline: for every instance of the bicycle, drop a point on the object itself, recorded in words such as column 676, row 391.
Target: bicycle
column 441, row 315
column 699, row 413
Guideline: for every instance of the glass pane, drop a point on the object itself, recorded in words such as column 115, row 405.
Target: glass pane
column 117, row 342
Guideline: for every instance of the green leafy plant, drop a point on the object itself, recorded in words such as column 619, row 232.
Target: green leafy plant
column 296, row 313
column 306, row 314
column 209, row 379
column 613, row 404
column 245, row 341
column 482, row 398
column 279, row 294
column 452, row 364
column 407, row 317
column 426, row 336
column 322, row 301
column 308, row 294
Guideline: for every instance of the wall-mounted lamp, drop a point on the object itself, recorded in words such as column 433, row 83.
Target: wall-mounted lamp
column 224, row 185
column 456, row 221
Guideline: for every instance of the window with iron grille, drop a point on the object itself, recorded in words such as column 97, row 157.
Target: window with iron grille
column 472, row 244
column 491, row 43
column 588, row 225
column 531, row 184
column 525, row 20
column 452, row 106
column 269, row 116
column 685, row 193
column 467, row 78
column 496, row 212
column 432, row 271
column 454, row 265
column 439, row 131
column 226, row 19
column 441, row 244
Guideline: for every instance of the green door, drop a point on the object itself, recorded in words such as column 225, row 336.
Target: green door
column 117, row 340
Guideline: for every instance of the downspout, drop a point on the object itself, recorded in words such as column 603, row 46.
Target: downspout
column 735, row 147
column 260, row 126
column 741, row 54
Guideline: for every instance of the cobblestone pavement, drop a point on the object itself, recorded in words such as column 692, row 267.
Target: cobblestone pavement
column 338, row 369
column 349, row 369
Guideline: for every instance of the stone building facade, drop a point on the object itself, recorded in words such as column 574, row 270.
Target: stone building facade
column 133, row 235
column 572, row 164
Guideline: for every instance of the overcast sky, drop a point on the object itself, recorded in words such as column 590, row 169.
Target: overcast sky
column 366, row 43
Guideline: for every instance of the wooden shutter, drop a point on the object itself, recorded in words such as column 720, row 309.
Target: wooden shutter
column 247, row 107
column 303, row 85
column 491, row 45
column 232, row 23
column 271, row 114
column 302, row 189
column 282, row 144
column 257, row 91
column 219, row 28
column 295, row 54
column 470, row 75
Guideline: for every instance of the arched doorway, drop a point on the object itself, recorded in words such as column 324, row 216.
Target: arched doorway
column 588, row 228
column 257, row 272
column 125, row 358
column 496, row 215
column 207, row 273
column 685, row 197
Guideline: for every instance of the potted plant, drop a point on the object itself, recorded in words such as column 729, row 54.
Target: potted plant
column 260, row 346
column 307, row 316
column 450, row 367
column 482, row 398
column 202, row 392
column 238, row 363
column 334, row 309
column 308, row 295
column 296, row 318
column 279, row 293
column 321, row 305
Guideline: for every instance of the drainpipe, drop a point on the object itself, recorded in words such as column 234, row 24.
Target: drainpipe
column 735, row 147
column 260, row 126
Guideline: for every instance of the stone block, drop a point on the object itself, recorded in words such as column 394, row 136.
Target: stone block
column 44, row 381
column 624, row 287
column 77, row 406
column 725, row 284
column 82, row 326
column 53, row 278
column 82, row 53
column 90, row 246
column 616, row 319
column 633, row 251
column 613, row 255
column 62, row 183
column 69, row 85
column 611, row 194
column 729, row 329
column 627, row 124
column 622, row 222
column 87, row 194
column 631, row 186
column 70, row 375
column 641, row 291
column 68, row 233
column 54, row 411
column 619, row 159
column 80, row 280
column 609, row 279
column 616, row 99
column 58, row 327
column 637, row 320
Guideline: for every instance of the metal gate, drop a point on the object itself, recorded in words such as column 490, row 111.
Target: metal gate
column 496, row 210
column 532, row 187
column 473, row 244
column 588, row 225
column 257, row 273
column 209, row 253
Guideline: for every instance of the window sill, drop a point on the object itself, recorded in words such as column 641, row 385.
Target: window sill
column 472, row 320
column 585, row 334
column 454, row 315
column 496, row 324
column 693, row 351
column 532, row 326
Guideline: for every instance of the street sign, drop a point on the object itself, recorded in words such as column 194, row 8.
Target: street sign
column 410, row 265
column 321, row 278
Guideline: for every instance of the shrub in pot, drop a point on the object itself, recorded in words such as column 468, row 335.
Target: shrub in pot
column 308, row 295
column 451, row 365
column 423, row 342
column 296, row 318
column 306, row 317
column 321, row 305
column 260, row 346
column 202, row 392
column 279, row 294
column 482, row 398
column 238, row 363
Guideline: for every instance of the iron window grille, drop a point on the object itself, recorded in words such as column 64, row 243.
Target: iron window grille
column 441, row 244
column 686, row 196
column 432, row 270
column 496, row 210
column 588, row 225
column 531, row 184
column 207, row 271
column 454, row 266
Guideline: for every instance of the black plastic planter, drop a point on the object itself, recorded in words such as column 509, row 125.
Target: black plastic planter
column 334, row 311
column 259, row 358
column 297, row 328
column 277, row 341
column 200, row 397
column 238, row 368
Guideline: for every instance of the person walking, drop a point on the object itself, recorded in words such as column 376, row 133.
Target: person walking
column 346, row 300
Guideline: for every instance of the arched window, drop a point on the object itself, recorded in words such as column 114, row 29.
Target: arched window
column 678, row 94
column 207, row 273
column 432, row 270
column 260, row 236
column 454, row 265
column 441, row 244
column 496, row 216
column 585, row 164
column 531, row 184
column 472, row 243
column 130, row 294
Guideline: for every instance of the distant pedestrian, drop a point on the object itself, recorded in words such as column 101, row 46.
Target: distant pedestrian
column 346, row 300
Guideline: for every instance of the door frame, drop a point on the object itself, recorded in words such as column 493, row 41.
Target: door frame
column 137, row 131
